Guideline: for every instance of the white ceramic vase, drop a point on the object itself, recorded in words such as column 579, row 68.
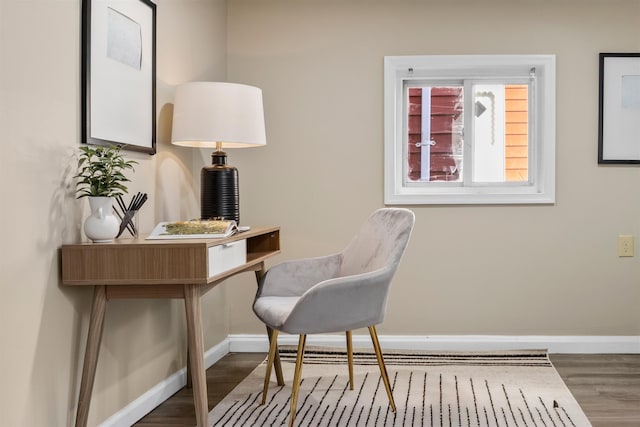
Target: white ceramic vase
column 101, row 226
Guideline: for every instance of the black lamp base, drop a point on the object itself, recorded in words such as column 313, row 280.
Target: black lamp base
column 219, row 193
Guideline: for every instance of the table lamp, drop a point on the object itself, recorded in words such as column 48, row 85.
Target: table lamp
column 220, row 115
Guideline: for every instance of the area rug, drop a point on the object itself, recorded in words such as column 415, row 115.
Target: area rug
column 452, row 389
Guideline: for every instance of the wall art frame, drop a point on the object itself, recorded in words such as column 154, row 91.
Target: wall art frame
column 619, row 109
column 119, row 74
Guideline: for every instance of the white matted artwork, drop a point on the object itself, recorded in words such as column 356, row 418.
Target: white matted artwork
column 619, row 115
column 119, row 73
column 124, row 39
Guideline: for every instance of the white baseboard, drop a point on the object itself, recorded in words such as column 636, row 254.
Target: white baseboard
column 161, row 391
column 258, row 343
column 554, row 344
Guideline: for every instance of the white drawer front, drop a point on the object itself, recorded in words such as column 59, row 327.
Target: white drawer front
column 225, row 257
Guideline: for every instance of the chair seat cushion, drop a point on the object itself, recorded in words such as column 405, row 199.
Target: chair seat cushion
column 273, row 311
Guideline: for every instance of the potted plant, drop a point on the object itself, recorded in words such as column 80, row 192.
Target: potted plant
column 101, row 178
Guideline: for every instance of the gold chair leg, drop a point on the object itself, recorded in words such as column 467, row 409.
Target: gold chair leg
column 270, row 360
column 350, row 358
column 296, row 378
column 383, row 368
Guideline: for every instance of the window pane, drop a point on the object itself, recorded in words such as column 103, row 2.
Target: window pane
column 500, row 129
column 488, row 132
column 517, row 132
column 435, row 124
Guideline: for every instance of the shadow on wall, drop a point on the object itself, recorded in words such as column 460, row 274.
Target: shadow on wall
column 61, row 307
column 65, row 212
column 58, row 388
column 177, row 195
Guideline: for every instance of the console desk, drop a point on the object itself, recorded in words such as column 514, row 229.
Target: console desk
column 184, row 269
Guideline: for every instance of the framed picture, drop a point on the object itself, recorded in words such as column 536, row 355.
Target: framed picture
column 119, row 74
column 619, row 115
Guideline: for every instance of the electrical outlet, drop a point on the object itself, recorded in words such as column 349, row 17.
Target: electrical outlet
column 625, row 246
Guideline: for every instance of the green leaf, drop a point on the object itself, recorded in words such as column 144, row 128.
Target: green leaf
column 101, row 171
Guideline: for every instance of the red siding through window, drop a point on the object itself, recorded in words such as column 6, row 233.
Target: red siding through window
column 446, row 131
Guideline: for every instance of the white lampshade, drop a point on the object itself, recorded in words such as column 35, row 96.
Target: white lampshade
column 206, row 113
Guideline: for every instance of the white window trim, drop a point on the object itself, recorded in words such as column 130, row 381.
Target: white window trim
column 542, row 187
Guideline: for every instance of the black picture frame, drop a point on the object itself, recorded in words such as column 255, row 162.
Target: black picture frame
column 119, row 74
column 619, row 109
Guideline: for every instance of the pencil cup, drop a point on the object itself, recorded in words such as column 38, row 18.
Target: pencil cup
column 136, row 224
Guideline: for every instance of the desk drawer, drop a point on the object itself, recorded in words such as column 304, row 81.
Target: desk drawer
column 226, row 257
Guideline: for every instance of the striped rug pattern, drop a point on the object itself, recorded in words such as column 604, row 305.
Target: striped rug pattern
column 452, row 389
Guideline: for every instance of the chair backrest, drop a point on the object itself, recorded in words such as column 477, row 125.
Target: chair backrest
column 380, row 242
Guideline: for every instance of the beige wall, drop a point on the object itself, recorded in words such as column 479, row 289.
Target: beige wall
column 516, row 270
column 539, row 270
column 43, row 325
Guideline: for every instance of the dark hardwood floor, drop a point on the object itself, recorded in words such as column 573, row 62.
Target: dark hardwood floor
column 606, row 386
column 222, row 377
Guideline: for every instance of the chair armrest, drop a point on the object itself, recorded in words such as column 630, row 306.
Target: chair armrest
column 342, row 304
column 294, row 278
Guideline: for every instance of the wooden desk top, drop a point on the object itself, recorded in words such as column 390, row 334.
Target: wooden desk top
column 160, row 262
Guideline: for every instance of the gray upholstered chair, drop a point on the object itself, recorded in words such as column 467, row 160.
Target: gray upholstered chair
column 335, row 293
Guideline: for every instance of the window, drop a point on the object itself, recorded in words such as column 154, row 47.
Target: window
column 470, row 129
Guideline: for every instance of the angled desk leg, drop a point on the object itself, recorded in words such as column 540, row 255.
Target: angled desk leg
column 276, row 361
column 94, row 336
column 189, row 384
column 196, row 353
